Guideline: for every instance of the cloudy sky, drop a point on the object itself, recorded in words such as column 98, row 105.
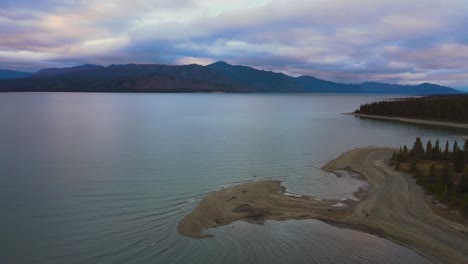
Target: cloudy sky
column 348, row 41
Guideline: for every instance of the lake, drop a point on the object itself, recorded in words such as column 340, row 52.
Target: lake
column 105, row 178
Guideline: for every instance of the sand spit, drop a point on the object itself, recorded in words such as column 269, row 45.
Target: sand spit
column 253, row 202
column 394, row 207
column 412, row 120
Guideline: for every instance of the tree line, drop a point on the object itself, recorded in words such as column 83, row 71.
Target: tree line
column 452, row 108
column 441, row 171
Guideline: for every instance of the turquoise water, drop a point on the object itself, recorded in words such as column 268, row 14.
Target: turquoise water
column 105, row 178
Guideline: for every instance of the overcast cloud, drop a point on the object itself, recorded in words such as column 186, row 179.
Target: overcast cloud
column 347, row 41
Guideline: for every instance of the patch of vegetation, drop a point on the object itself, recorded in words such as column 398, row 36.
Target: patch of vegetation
column 441, row 172
column 449, row 108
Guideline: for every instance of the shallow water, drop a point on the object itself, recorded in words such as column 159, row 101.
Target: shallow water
column 105, row 178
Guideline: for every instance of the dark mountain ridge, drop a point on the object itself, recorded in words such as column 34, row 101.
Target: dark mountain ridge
column 10, row 74
column 216, row 77
column 57, row 71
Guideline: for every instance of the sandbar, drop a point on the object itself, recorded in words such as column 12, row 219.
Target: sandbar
column 394, row 207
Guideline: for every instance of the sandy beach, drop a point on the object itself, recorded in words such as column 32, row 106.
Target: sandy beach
column 413, row 120
column 394, row 207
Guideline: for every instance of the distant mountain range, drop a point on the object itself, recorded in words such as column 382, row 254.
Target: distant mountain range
column 10, row 74
column 216, row 77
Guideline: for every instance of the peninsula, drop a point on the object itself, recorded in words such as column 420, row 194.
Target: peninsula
column 394, row 207
column 442, row 110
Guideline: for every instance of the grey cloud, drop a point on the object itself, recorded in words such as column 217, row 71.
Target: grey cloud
column 397, row 41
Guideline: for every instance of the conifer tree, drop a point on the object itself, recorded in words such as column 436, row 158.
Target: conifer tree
column 404, row 154
column 417, row 151
column 437, row 152
column 455, row 147
column 429, row 150
column 431, row 108
column 446, row 155
column 444, row 184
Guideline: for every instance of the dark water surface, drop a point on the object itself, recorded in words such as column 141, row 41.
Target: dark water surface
column 105, row 178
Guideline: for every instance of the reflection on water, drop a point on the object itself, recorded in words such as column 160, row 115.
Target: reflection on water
column 375, row 122
column 105, row 178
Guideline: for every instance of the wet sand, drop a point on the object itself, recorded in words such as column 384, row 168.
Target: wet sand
column 394, row 207
column 412, row 120
column 253, row 202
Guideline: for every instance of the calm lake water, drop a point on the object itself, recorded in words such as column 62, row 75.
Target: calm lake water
column 105, row 178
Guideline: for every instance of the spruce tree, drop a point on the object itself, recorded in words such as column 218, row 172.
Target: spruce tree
column 404, row 154
column 437, row 152
column 417, row 151
column 429, row 150
column 455, row 147
column 446, row 155
column 435, row 108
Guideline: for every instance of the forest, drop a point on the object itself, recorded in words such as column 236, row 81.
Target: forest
column 441, row 172
column 449, row 108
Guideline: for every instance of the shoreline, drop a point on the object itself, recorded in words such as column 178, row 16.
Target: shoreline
column 412, row 120
column 393, row 207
